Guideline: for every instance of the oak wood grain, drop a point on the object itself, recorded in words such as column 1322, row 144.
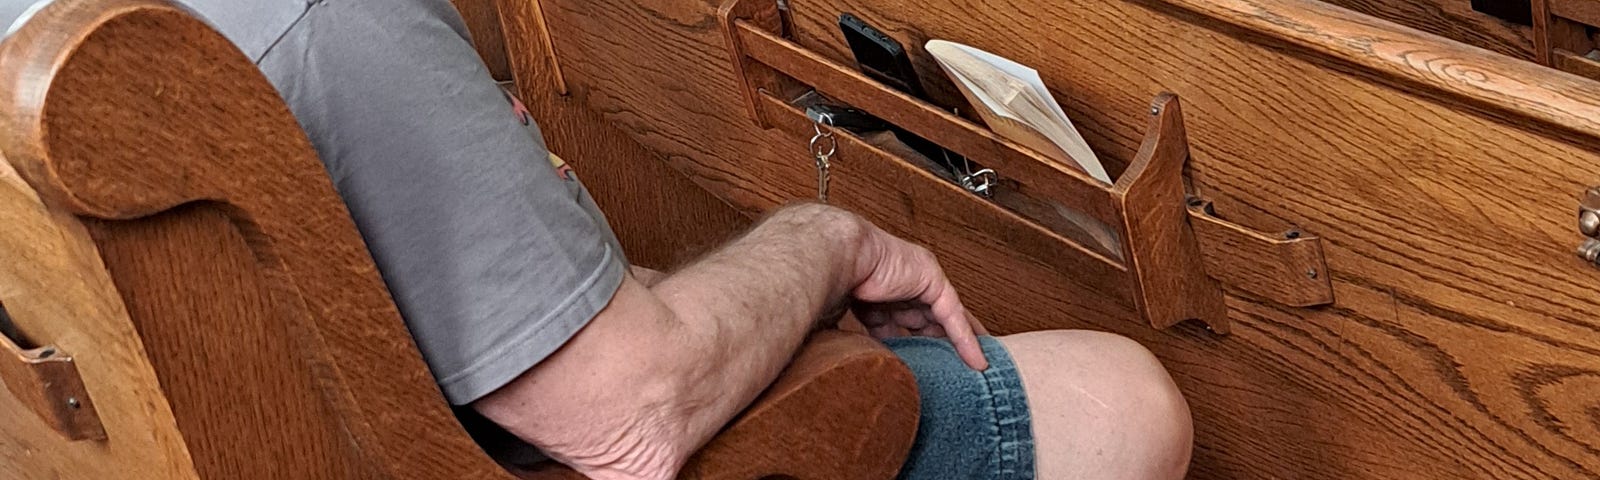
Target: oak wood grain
column 1582, row 11
column 56, row 292
column 1441, row 177
column 483, row 22
column 253, row 298
column 1288, row 269
column 662, row 217
column 46, row 381
column 320, row 378
column 1451, row 19
column 1162, row 250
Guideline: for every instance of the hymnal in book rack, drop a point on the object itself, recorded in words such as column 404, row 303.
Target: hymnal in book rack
column 1013, row 101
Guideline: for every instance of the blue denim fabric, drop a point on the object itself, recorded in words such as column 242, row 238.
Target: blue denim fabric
column 974, row 425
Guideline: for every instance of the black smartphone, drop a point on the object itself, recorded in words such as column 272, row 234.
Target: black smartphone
column 879, row 56
column 884, row 59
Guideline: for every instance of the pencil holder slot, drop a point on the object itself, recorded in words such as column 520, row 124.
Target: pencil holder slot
column 1156, row 265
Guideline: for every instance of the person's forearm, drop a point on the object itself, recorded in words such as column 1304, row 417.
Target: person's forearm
column 753, row 302
column 661, row 370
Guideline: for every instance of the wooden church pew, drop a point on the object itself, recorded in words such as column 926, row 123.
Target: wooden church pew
column 172, row 244
column 1442, row 180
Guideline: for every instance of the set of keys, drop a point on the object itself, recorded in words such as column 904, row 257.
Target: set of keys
column 825, row 119
column 823, row 145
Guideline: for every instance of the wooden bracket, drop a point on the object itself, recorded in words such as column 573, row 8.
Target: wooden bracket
column 753, row 75
column 46, row 380
column 1162, row 251
column 1289, row 268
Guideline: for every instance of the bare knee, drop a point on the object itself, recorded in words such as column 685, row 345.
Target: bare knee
column 1103, row 407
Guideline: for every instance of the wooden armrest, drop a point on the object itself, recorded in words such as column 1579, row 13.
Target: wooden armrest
column 845, row 409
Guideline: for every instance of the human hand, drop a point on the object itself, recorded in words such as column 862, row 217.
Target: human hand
column 903, row 289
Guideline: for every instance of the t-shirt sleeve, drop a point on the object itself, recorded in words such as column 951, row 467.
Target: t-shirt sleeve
column 494, row 255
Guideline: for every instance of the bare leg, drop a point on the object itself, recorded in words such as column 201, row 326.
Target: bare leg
column 1102, row 406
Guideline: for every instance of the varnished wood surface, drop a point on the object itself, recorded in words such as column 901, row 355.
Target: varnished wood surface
column 483, row 21
column 1453, row 19
column 1162, row 250
column 662, row 217
column 234, row 373
column 46, row 382
column 56, row 292
column 1441, row 178
column 252, row 298
column 1288, row 268
column 320, row 378
column 1583, row 11
column 845, row 409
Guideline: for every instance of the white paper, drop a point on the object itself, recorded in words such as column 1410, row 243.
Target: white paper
column 1084, row 156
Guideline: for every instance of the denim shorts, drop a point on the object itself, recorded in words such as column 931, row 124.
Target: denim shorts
column 974, row 425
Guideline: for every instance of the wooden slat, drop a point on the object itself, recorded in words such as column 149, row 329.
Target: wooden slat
column 1453, row 19
column 940, row 202
column 1586, row 12
column 1034, row 172
column 1576, row 64
column 1501, row 85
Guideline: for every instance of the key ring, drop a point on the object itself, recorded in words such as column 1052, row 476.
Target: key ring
column 815, row 145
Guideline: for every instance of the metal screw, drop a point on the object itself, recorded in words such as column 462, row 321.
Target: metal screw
column 1311, row 273
column 1589, row 223
column 1590, row 251
column 47, row 353
column 1292, row 234
column 73, row 402
column 1155, row 110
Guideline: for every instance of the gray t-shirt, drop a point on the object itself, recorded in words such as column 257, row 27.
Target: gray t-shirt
column 491, row 248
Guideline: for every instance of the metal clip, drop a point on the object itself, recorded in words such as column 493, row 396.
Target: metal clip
column 981, row 182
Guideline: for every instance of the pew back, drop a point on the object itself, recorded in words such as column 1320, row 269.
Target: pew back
column 190, row 299
column 177, row 181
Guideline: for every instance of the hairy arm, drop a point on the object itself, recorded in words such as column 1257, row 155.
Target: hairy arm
column 662, row 368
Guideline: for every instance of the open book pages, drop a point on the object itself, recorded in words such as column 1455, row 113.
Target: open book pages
column 1013, row 100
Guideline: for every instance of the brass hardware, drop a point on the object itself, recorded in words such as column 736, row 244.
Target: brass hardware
column 1589, row 226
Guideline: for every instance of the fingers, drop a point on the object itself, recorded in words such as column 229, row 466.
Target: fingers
column 908, row 273
column 949, row 313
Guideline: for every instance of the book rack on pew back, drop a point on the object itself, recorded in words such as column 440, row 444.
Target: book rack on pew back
column 1174, row 259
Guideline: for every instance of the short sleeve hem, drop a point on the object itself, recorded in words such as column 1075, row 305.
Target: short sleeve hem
column 514, row 354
